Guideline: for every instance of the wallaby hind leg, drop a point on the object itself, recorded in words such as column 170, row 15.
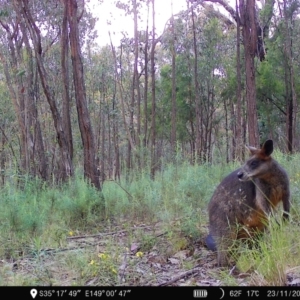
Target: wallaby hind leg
column 225, row 242
column 219, row 245
column 223, row 255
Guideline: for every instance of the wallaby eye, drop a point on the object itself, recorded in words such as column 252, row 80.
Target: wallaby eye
column 254, row 163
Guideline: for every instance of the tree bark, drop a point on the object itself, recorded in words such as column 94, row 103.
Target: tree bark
column 248, row 21
column 116, row 164
column 252, row 44
column 145, row 94
column 174, row 106
column 2, row 153
column 136, row 80
column 291, row 96
column 37, row 159
column 153, row 106
column 15, row 93
column 66, row 161
column 198, row 124
column 120, row 90
column 87, row 136
column 64, row 42
column 238, row 123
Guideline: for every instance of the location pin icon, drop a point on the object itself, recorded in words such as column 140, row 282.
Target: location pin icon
column 33, row 293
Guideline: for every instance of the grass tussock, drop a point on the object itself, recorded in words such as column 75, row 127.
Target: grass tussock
column 272, row 257
column 140, row 222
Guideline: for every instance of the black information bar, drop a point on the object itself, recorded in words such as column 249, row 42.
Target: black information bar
column 196, row 292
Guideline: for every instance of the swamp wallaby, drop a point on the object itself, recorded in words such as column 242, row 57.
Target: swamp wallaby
column 243, row 201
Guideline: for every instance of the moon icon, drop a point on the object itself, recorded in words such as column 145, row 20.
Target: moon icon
column 223, row 293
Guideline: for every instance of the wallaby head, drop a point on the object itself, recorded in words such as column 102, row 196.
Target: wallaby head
column 259, row 163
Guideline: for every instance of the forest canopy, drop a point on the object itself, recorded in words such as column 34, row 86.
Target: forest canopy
column 209, row 84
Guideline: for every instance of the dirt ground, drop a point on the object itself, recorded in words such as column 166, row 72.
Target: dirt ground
column 193, row 265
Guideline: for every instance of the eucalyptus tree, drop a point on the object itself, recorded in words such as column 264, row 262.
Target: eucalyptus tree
column 213, row 47
column 139, row 47
column 101, row 85
column 184, row 106
column 254, row 33
column 174, row 106
column 9, row 130
column 289, row 11
column 17, row 60
column 278, row 86
column 154, row 158
column 65, row 74
column 86, row 129
column 237, row 138
column 122, row 69
column 34, row 17
column 145, row 49
column 139, row 57
column 34, row 36
column 199, row 79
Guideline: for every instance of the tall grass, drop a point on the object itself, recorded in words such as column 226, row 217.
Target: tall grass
column 272, row 256
column 36, row 216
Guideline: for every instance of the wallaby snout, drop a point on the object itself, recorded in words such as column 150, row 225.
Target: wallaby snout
column 240, row 175
column 242, row 202
column 243, row 176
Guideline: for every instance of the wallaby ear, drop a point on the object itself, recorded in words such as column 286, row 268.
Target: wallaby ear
column 252, row 150
column 267, row 148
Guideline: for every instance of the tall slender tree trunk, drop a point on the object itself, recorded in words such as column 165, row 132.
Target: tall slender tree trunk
column 291, row 96
column 248, row 20
column 120, row 90
column 190, row 99
column 198, row 125
column 233, row 130
column 36, row 151
column 153, row 107
column 109, row 150
column 226, row 131
column 102, row 161
column 66, row 113
column 174, row 105
column 238, row 120
column 86, row 130
column 3, row 152
column 116, row 167
column 146, row 77
column 136, row 79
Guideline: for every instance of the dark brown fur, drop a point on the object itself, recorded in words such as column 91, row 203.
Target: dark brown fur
column 242, row 202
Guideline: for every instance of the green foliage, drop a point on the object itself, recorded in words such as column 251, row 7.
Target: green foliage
column 269, row 84
column 36, row 217
column 178, row 190
column 81, row 204
column 34, row 209
column 184, row 96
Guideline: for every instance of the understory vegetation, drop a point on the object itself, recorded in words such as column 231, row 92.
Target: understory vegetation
column 75, row 235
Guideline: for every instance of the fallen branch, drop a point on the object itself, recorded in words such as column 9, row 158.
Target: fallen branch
column 94, row 235
column 104, row 234
column 183, row 275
